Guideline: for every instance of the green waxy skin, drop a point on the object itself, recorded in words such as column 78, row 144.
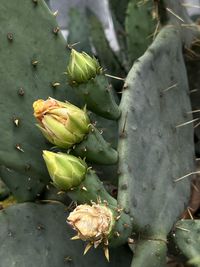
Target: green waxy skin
column 140, row 27
column 119, row 9
column 79, row 30
column 107, row 57
column 98, row 91
column 33, row 58
column 176, row 18
column 91, row 189
column 153, row 254
column 161, row 149
column 186, row 241
column 23, row 187
column 51, row 193
column 95, row 149
column 41, row 237
column 108, row 128
column 4, row 191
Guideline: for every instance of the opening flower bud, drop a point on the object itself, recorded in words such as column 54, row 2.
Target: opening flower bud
column 82, row 67
column 66, row 171
column 62, row 123
column 92, row 223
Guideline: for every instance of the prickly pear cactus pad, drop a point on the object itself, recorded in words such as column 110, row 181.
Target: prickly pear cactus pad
column 4, row 191
column 33, row 58
column 119, row 9
column 95, row 149
column 107, row 57
column 161, row 136
column 140, row 27
column 42, row 238
column 22, row 187
column 186, row 238
column 79, row 30
column 175, row 14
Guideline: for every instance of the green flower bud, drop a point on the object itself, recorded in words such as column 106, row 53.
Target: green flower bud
column 62, row 123
column 66, row 171
column 82, row 67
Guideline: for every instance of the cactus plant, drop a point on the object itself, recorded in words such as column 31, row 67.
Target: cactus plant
column 153, row 159
column 86, row 75
column 78, row 31
column 119, row 9
column 107, row 57
column 4, row 191
column 140, row 26
column 23, row 187
column 187, row 241
column 95, row 149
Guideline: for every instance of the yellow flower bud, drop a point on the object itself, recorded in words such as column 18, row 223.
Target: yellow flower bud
column 66, row 171
column 62, row 123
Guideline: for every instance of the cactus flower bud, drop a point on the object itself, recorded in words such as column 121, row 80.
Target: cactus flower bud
column 62, row 123
column 66, row 171
column 82, row 67
column 92, row 223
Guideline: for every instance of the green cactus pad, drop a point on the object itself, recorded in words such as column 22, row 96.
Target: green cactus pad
column 79, row 30
column 41, row 237
column 186, row 239
column 4, row 191
column 119, row 9
column 107, row 57
column 91, row 189
column 155, row 107
column 22, row 186
column 33, row 59
column 95, row 149
column 97, row 94
column 150, row 253
column 108, row 128
column 140, row 27
column 52, row 194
